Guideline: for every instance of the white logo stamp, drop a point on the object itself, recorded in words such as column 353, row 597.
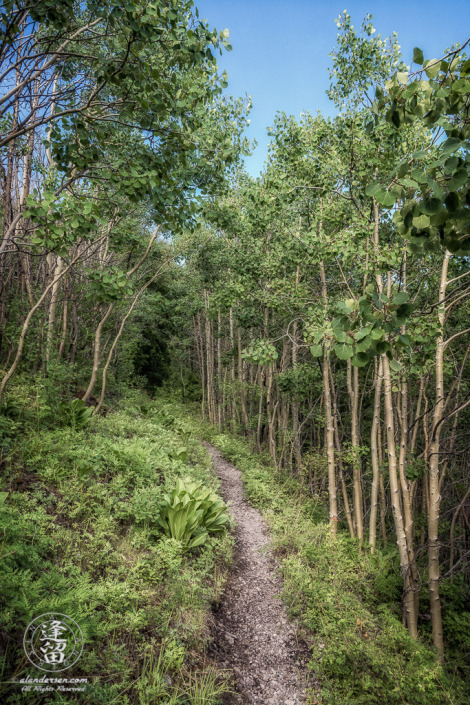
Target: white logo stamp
column 53, row 642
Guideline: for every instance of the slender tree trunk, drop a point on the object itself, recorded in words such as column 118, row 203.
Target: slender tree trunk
column 53, row 310
column 260, row 409
column 64, row 327
column 241, row 379
column 433, row 464
column 329, row 425
column 353, row 388
column 375, row 459
column 347, row 509
column 409, row 600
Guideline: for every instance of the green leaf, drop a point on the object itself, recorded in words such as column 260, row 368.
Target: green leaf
column 418, row 56
column 364, row 344
column 360, row 359
column 395, row 365
column 343, row 351
column 197, row 540
column 458, row 180
column 318, row 336
column 405, row 310
column 340, row 335
column 316, row 350
column 382, row 346
column 452, row 202
column 401, row 298
column 396, row 118
column 430, row 206
column 421, row 222
column 384, row 197
column 432, row 68
column 361, row 333
column 372, row 189
column 376, row 333
column 419, row 176
column 451, row 144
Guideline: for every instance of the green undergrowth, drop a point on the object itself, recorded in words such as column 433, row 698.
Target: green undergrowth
column 79, row 535
column 361, row 654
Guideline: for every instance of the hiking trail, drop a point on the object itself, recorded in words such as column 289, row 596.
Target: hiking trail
column 252, row 634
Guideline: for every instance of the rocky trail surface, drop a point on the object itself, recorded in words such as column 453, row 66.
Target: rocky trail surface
column 252, row 635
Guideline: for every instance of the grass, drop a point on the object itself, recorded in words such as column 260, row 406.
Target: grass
column 79, row 535
column 344, row 601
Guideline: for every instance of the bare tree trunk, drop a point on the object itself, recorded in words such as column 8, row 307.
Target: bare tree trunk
column 433, row 464
column 375, row 459
column 329, row 425
column 97, row 353
column 53, row 310
column 64, row 328
column 409, row 600
column 353, row 389
column 241, row 379
column 347, row 509
column 260, row 409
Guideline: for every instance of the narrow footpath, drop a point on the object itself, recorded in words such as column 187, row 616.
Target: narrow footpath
column 252, row 635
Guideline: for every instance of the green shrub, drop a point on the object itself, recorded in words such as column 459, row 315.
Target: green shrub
column 75, row 413
column 190, row 511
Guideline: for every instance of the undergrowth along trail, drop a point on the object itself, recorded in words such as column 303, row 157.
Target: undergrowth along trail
column 80, row 536
column 345, row 602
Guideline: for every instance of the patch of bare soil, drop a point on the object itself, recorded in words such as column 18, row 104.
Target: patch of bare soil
column 252, row 635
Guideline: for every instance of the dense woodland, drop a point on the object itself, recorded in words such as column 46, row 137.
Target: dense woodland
column 320, row 311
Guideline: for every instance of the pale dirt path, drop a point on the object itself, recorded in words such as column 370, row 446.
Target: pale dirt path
column 252, row 635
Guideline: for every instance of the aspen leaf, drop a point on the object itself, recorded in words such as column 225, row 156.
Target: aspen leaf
column 361, row 333
column 372, row 189
column 344, row 351
column 430, row 206
column 376, row 333
column 432, row 68
column 364, row 344
column 421, row 222
column 418, row 56
column 451, row 144
column 401, row 298
column 360, row 359
column 316, row 350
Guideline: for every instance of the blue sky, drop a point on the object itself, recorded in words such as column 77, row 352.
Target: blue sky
column 280, row 48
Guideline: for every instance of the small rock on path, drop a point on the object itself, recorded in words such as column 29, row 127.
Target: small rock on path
column 252, row 635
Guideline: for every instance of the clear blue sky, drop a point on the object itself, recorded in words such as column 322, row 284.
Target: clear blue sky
column 280, row 48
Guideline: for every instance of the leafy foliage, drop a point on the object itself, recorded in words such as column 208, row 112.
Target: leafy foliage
column 78, row 515
column 345, row 601
column 75, row 413
column 190, row 512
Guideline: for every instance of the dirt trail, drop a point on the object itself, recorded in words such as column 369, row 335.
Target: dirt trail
column 252, row 635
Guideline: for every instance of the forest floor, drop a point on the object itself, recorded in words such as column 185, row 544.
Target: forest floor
column 252, row 634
